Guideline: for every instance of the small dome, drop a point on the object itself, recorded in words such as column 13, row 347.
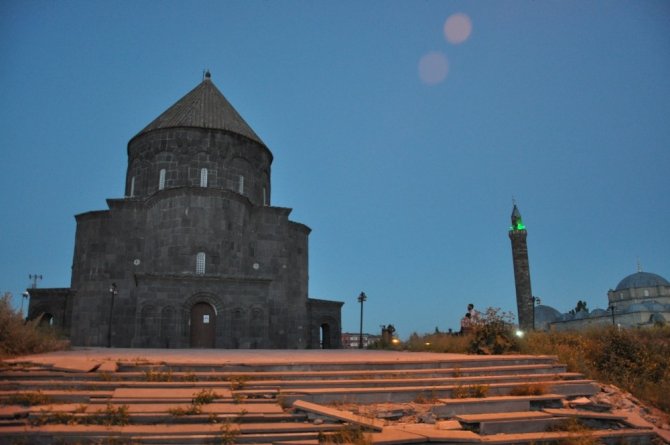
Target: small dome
column 581, row 315
column 657, row 318
column 598, row 312
column 636, row 308
column 546, row 314
column 642, row 279
column 654, row 306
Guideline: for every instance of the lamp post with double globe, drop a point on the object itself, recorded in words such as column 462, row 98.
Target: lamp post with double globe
column 361, row 298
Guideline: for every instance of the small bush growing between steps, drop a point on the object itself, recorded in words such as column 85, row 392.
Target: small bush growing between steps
column 204, row 397
column 470, row 391
column 350, row 434
column 28, row 399
column 532, row 389
column 109, row 416
column 579, row 434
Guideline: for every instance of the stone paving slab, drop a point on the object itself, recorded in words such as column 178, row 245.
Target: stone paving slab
column 107, row 366
column 338, row 414
column 432, row 434
column 215, row 408
column 171, row 393
column 629, row 435
column 519, row 425
column 497, row 404
column 585, row 414
column 170, row 429
column 488, row 417
column 251, row 357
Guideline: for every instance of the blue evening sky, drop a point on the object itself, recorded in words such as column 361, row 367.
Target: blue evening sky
column 401, row 148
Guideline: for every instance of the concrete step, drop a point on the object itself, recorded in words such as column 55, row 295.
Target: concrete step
column 456, row 363
column 45, row 373
column 628, row 437
column 251, row 384
column 473, row 419
column 366, row 395
column 518, row 426
column 449, row 408
column 240, row 433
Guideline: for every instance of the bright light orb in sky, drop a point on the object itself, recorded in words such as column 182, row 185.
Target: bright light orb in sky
column 457, row 28
column 433, row 68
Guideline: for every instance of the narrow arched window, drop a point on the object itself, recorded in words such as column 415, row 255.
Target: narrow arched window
column 161, row 179
column 240, row 185
column 265, row 196
column 132, row 187
column 200, row 263
column 203, row 177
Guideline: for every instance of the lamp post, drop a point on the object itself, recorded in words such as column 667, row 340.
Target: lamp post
column 361, row 298
column 611, row 309
column 113, row 291
column 24, row 296
column 536, row 301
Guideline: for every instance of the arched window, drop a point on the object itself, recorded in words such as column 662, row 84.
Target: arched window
column 265, row 196
column 203, row 177
column 132, row 187
column 240, row 185
column 161, row 179
column 200, row 263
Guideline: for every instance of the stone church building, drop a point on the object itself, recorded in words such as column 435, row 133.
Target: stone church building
column 194, row 255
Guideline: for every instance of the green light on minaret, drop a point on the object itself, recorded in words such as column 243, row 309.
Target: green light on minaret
column 517, row 222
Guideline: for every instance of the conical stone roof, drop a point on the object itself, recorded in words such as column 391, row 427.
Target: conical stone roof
column 203, row 107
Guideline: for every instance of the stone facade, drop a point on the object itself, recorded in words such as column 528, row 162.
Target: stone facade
column 197, row 255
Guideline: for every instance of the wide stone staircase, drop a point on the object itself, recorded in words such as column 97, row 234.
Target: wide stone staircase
column 455, row 399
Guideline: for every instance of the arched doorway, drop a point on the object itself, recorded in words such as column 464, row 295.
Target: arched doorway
column 46, row 320
column 203, row 325
column 325, row 336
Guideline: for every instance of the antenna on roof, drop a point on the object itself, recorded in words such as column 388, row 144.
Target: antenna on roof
column 639, row 266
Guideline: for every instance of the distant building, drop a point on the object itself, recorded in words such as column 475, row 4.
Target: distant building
column 639, row 300
column 351, row 340
column 194, row 255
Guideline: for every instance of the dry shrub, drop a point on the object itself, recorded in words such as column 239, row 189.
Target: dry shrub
column 470, row 391
column 636, row 360
column 531, row 389
column 18, row 337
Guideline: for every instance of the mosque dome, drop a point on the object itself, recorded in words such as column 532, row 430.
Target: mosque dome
column 598, row 312
column 642, row 279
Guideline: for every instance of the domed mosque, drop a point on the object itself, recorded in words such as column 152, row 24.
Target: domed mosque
column 640, row 299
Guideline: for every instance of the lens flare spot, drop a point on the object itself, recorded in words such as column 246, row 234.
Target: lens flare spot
column 457, row 28
column 433, row 68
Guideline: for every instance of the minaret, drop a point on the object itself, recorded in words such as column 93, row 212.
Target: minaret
column 524, row 296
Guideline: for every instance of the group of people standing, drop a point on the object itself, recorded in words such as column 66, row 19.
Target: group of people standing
column 469, row 320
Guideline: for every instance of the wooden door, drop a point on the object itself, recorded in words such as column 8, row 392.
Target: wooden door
column 203, row 326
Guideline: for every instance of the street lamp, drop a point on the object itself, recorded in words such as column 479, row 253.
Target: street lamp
column 113, row 291
column 611, row 309
column 536, row 301
column 24, row 296
column 361, row 298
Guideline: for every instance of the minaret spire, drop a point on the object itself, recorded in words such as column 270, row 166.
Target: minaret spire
column 524, row 295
